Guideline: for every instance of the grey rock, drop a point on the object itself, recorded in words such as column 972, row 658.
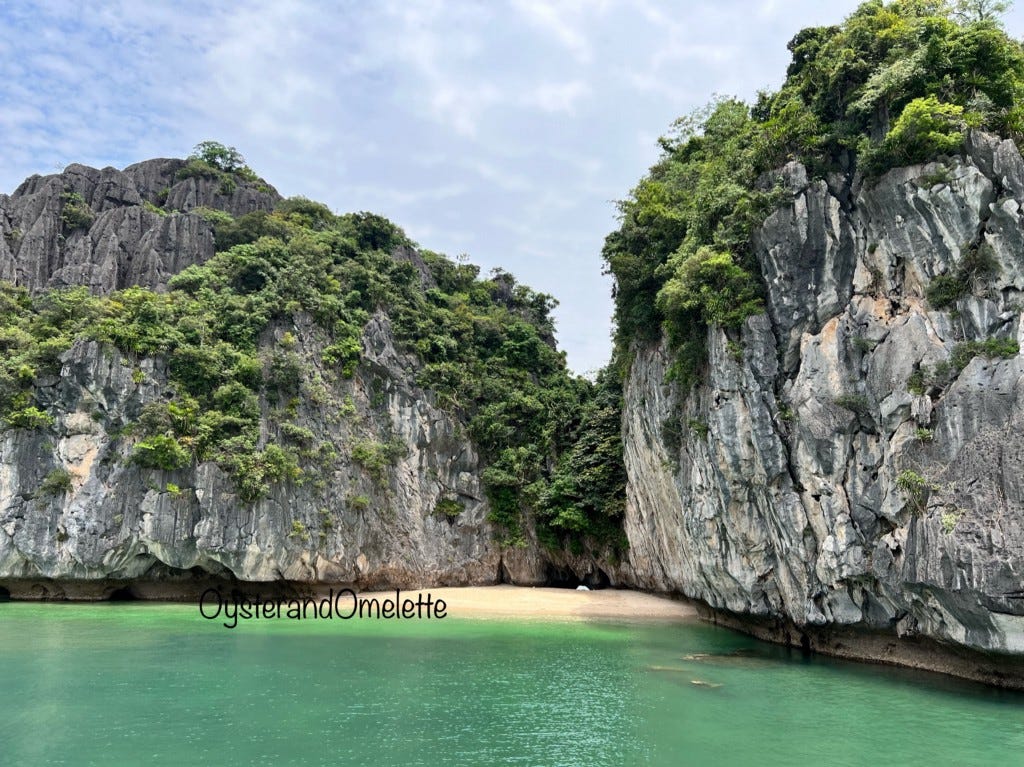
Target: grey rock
column 790, row 508
column 124, row 243
column 121, row 521
column 806, row 249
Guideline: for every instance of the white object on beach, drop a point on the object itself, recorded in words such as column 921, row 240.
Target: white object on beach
column 581, row 587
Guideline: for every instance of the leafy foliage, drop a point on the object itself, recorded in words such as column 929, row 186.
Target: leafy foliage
column 29, row 417
column 56, row 482
column 977, row 266
column 855, row 403
column 485, row 346
column 160, row 452
column 945, row 290
column 299, row 531
column 75, row 212
column 587, row 491
column 949, row 520
column 859, row 79
column 916, row 488
column 213, row 160
column 33, row 334
column 225, row 158
column 707, row 287
column 448, row 508
column 685, row 231
column 923, row 379
column 376, row 457
column 992, row 348
column 916, row 382
column 979, row 10
column 895, row 83
column 925, row 128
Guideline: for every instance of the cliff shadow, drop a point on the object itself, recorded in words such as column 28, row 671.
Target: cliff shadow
column 567, row 578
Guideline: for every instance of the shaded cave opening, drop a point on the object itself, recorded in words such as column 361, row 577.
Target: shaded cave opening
column 559, row 577
column 123, row 594
column 566, row 578
column 5, row 595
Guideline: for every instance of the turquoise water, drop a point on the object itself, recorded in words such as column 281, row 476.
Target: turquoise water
column 128, row 684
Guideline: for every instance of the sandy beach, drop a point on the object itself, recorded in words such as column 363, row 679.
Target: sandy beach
column 524, row 602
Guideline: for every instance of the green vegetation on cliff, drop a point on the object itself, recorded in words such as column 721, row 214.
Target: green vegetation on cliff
column 213, row 160
column 223, row 334
column 896, row 83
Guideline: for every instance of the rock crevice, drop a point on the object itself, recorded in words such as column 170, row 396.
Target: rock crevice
column 830, row 486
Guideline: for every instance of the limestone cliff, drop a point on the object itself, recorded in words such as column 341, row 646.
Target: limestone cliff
column 130, row 239
column 848, row 471
column 106, row 523
column 840, row 470
column 119, row 522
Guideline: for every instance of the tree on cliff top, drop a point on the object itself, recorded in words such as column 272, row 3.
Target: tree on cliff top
column 225, row 158
column 895, row 83
column 979, row 10
column 857, row 78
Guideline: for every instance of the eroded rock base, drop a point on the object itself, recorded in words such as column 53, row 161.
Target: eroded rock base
column 873, row 646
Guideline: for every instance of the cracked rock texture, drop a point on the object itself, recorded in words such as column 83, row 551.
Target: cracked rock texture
column 127, row 241
column 120, row 523
column 788, row 507
column 781, row 501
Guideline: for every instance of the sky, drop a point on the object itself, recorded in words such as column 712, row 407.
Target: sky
column 504, row 130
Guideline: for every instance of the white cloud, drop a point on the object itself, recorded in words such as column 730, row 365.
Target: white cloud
column 557, row 97
column 506, row 179
column 564, row 21
column 374, row 195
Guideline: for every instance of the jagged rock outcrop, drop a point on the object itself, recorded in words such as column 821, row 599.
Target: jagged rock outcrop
column 783, row 502
column 132, row 227
column 119, row 522
column 109, row 523
column 846, row 474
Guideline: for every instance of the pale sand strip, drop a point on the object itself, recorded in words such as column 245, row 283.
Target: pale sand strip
column 524, row 602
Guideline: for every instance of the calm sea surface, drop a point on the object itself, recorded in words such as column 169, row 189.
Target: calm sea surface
column 133, row 684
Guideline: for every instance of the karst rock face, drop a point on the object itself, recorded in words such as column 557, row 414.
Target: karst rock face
column 783, row 501
column 130, row 239
column 836, row 475
column 163, row 532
